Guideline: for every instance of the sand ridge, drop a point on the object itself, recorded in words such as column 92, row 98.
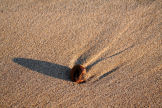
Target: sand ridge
column 117, row 41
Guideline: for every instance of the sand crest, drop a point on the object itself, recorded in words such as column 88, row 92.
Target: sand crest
column 117, row 41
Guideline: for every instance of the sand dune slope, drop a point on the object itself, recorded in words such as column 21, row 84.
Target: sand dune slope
column 118, row 41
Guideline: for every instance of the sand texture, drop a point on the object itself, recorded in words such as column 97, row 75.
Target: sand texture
column 119, row 42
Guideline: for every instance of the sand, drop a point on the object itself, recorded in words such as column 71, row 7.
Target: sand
column 118, row 41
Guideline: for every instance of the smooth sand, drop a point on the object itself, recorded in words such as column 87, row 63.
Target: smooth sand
column 118, row 41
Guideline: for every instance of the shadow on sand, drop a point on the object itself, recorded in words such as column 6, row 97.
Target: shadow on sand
column 50, row 69
column 107, row 73
column 81, row 59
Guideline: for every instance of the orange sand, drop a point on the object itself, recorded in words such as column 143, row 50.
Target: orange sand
column 118, row 41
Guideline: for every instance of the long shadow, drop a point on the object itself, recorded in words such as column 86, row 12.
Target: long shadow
column 47, row 68
column 121, row 51
column 103, row 58
column 94, row 63
column 107, row 73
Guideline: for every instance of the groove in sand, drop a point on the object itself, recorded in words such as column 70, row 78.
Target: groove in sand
column 93, row 58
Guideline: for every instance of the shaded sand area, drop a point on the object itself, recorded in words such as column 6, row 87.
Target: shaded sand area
column 118, row 41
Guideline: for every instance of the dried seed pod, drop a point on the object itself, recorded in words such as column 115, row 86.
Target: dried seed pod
column 77, row 73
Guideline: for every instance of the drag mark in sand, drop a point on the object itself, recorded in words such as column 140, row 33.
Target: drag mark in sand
column 103, row 58
column 108, row 46
column 109, row 72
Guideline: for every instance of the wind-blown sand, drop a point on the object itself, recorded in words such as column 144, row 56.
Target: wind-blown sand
column 118, row 41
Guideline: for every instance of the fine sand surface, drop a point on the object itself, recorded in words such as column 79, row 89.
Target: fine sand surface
column 118, row 41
